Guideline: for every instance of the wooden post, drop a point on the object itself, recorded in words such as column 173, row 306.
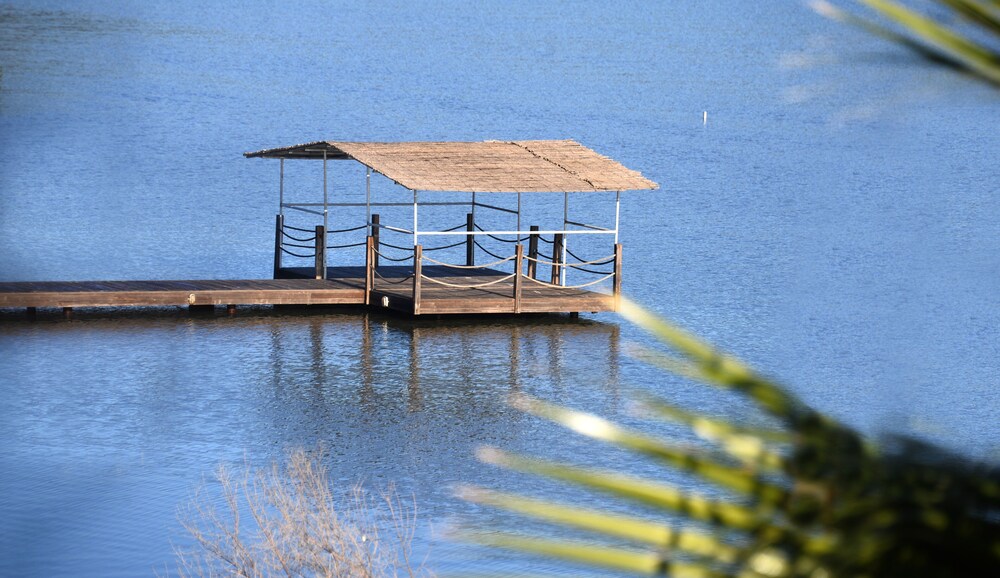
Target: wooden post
column 376, row 229
column 617, row 287
column 279, row 227
column 369, row 268
column 68, row 312
column 418, row 255
column 231, row 309
column 470, row 247
column 533, row 253
column 320, row 252
column 557, row 248
column 518, row 259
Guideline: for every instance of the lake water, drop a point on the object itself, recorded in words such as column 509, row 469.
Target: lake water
column 834, row 222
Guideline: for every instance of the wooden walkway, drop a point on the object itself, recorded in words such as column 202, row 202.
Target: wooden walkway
column 391, row 288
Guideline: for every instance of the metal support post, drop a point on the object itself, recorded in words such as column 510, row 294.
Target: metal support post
column 470, row 239
column 279, row 227
column 418, row 256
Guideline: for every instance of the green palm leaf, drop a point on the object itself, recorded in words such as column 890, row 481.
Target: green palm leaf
column 838, row 506
column 931, row 38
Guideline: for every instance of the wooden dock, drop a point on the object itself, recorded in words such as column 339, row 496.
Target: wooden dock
column 440, row 290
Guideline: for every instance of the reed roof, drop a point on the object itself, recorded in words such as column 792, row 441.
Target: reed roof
column 489, row 166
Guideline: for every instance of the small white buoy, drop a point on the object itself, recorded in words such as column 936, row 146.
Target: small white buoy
column 704, row 118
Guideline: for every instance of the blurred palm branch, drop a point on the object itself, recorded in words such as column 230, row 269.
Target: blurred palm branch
column 811, row 497
column 965, row 35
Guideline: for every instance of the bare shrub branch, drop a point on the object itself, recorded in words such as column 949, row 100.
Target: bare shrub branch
column 289, row 521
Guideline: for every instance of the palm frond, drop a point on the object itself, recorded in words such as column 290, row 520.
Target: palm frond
column 931, row 38
column 834, row 504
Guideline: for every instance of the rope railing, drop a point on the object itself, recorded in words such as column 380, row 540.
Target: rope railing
column 462, row 242
column 601, row 261
column 455, row 228
column 299, row 246
column 487, row 251
column 303, row 240
column 591, row 271
column 284, row 250
column 485, row 266
column 580, row 286
column 299, row 229
column 358, row 228
column 384, row 244
column 345, row 246
column 494, row 237
column 462, row 286
column 387, row 280
column 387, row 258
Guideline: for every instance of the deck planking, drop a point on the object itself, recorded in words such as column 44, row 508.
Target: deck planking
column 393, row 289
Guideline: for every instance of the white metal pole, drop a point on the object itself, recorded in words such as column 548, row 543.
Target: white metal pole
column 368, row 194
column 618, row 204
column 562, row 270
column 281, row 186
column 325, row 200
column 416, row 233
column 518, row 217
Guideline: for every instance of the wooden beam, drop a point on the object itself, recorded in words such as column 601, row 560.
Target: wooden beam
column 533, row 252
column 418, row 255
column 470, row 247
column 320, row 252
column 369, row 268
column 617, row 286
column 279, row 228
column 557, row 249
column 376, row 230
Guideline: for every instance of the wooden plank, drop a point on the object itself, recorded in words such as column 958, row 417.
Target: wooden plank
column 346, row 286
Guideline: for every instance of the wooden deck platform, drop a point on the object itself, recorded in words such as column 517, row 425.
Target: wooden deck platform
column 392, row 288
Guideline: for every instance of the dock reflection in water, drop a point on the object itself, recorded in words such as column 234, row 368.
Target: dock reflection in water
column 392, row 400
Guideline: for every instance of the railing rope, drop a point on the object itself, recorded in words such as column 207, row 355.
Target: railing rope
column 299, row 239
column 445, row 246
column 487, row 251
column 580, row 286
column 485, row 266
column 287, row 252
column 601, row 261
column 393, row 259
column 475, row 286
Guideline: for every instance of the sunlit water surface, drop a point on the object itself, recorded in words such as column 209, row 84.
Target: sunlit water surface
column 834, row 222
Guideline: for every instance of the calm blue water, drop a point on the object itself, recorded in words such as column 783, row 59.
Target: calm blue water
column 835, row 222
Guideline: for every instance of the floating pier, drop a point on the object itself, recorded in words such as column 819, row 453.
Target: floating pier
column 524, row 272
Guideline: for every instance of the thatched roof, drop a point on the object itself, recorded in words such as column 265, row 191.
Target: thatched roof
column 490, row 166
